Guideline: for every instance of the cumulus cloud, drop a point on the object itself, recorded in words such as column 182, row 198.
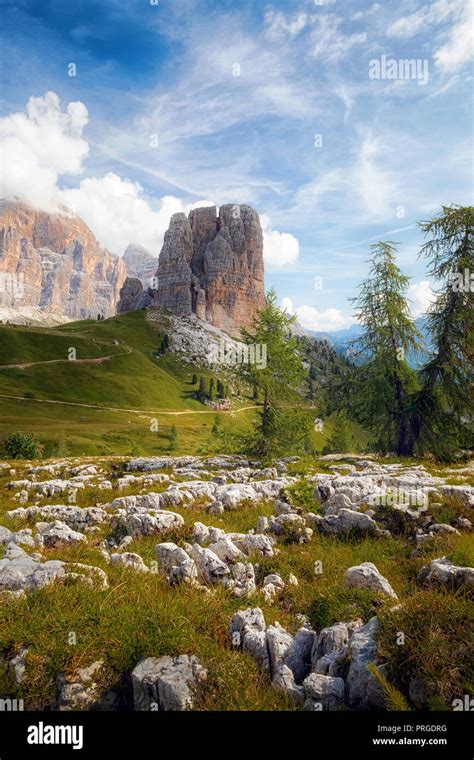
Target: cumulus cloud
column 39, row 146
column 420, row 296
column 319, row 321
column 118, row 213
column 279, row 248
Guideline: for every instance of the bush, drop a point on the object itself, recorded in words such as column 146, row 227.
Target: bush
column 301, row 494
column 23, row 446
column 342, row 604
column 437, row 650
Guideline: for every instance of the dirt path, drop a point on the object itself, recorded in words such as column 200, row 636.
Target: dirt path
column 131, row 411
column 96, row 360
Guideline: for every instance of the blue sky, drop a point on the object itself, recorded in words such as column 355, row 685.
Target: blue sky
column 269, row 104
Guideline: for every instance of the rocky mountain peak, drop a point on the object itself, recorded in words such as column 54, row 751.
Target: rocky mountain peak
column 54, row 263
column 140, row 263
column 211, row 265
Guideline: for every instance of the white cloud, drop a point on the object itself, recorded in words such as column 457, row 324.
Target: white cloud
column 459, row 48
column 420, row 296
column 366, row 185
column 118, row 213
column 329, row 43
column 39, row 146
column 279, row 248
column 279, row 27
column 287, row 305
column 319, row 321
column 375, row 185
column 419, row 20
column 44, row 144
column 369, row 12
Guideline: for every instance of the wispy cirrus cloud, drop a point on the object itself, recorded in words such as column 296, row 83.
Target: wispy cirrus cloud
column 236, row 93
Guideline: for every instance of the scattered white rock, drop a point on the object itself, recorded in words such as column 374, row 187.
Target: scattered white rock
column 444, row 573
column 323, row 692
column 209, row 567
column 167, row 683
column 129, row 560
column 176, row 563
column 57, row 533
column 366, row 575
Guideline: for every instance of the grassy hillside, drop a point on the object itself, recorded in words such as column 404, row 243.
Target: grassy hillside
column 106, row 405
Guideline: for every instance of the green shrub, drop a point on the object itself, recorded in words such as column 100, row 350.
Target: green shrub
column 265, row 567
column 301, row 494
column 393, row 520
column 22, row 446
column 342, row 604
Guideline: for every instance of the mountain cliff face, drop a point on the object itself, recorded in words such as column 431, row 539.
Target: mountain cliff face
column 212, row 266
column 54, row 263
column 140, row 263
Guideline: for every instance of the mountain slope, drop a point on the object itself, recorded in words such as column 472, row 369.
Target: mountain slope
column 120, row 396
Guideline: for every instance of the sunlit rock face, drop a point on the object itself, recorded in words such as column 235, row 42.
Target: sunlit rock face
column 54, row 263
column 211, row 265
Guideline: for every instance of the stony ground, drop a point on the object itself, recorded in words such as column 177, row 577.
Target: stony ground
column 217, row 583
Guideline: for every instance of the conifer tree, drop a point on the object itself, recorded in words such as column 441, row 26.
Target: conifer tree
column 386, row 382
column 173, row 438
column 278, row 383
column 445, row 402
column 340, row 440
column 202, row 393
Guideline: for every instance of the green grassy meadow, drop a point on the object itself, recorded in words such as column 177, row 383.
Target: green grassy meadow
column 130, row 390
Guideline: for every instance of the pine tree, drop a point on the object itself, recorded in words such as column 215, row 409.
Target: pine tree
column 386, row 382
column 194, row 380
column 212, row 389
column 173, row 438
column 278, row 382
column 340, row 440
column 215, row 430
column 445, row 400
column 202, row 393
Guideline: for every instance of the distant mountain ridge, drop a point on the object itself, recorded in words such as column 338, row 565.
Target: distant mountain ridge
column 341, row 340
column 140, row 263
